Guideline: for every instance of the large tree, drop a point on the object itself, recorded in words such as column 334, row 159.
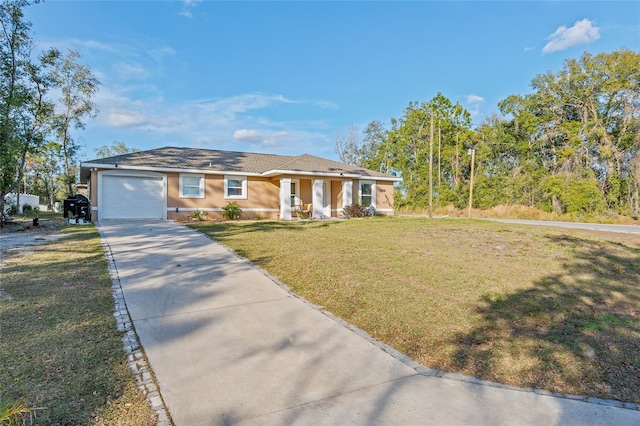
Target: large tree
column 572, row 145
column 77, row 85
column 24, row 109
column 43, row 173
column 375, row 148
column 405, row 150
column 116, row 148
column 364, row 149
column 583, row 124
column 349, row 146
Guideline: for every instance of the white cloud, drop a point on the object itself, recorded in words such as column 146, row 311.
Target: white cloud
column 265, row 138
column 140, row 112
column 241, row 103
column 208, row 140
column 328, row 105
column 159, row 53
column 278, row 138
column 125, row 118
column 127, row 71
column 135, row 109
column 474, row 99
column 475, row 103
column 244, row 135
column 582, row 32
column 93, row 44
column 83, row 46
column 76, row 43
column 187, row 7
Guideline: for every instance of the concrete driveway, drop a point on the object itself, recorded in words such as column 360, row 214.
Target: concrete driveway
column 230, row 345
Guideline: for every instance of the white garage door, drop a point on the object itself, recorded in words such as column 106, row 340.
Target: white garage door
column 132, row 197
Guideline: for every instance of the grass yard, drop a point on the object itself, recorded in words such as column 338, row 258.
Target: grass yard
column 60, row 350
column 528, row 306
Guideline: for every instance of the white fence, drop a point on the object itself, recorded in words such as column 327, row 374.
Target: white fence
column 25, row 200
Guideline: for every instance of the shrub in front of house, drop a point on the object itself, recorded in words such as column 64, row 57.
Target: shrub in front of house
column 198, row 215
column 356, row 210
column 232, row 211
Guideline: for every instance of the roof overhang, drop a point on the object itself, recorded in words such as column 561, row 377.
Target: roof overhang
column 342, row 175
column 85, row 172
column 278, row 172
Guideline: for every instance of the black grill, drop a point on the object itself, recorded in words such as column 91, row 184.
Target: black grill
column 77, row 207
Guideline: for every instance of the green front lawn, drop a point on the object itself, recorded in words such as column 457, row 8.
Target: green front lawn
column 527, row 306
column 60, row 351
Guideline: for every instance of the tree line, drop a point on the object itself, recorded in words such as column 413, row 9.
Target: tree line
column 42, row 100
column 571, row 146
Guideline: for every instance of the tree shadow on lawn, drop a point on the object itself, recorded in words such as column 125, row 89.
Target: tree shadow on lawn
column 227, row 229
column 573, row 332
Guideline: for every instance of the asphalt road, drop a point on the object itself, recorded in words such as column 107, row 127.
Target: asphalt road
column 624, row 229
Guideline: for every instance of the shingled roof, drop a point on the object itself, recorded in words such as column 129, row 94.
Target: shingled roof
column 207, row 160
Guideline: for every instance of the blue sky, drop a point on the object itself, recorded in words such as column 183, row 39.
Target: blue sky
column 286, row 77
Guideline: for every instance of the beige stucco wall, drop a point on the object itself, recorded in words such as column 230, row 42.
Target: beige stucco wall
column 336, row 198
column 93, row 188
column 384, row 196
column 262, row 195
column 93, row 193
column 305, row 191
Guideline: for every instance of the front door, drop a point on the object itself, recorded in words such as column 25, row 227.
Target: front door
column 326, row 199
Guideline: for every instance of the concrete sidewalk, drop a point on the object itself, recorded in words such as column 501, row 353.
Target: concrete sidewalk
column 229, row 345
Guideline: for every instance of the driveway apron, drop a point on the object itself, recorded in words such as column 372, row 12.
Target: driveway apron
column 228, row 344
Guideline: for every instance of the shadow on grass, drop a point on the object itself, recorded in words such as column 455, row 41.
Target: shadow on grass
column 227, row 229
column 575, row 331
column 260, row 356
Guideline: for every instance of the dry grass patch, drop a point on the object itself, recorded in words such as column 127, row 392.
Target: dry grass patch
column 60, row 350
column 520, row 212
column 528, row 306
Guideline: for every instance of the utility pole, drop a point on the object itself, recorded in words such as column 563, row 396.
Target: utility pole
column 431, row 168
column 439, row 155
column 473, row 160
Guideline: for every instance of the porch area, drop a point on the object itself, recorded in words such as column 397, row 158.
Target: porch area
column 311, row 198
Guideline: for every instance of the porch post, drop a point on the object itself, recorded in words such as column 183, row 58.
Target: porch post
column 347, row 193
column 317, row 199
column 285, row 199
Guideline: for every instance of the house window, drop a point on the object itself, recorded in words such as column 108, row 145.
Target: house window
column 295, row 193
column 367, row 193
column 235, row 187
column 191, row 186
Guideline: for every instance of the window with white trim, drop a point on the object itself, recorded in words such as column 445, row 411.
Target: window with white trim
column 235, row 187
column 295, row 192
column 367, row 193
column 191, row 185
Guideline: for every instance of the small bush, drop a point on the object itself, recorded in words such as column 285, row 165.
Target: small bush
column 232, row 211
column 353, row 210
column 198, row 215
column 356, row 210
column 29, row 211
